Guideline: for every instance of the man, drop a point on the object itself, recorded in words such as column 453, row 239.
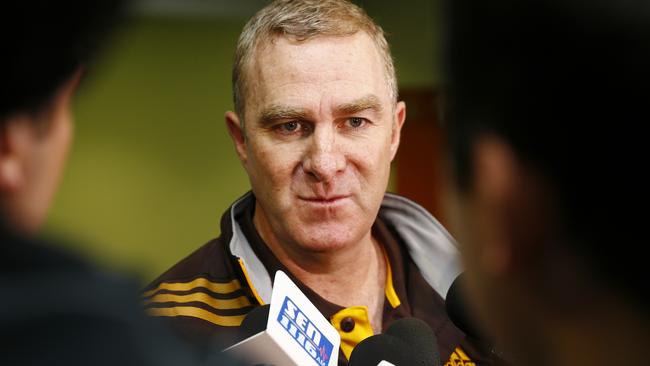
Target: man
column 56, row 309
column 316, row 125
column 546, row 103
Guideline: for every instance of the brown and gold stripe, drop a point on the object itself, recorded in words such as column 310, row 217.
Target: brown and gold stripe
column 217, row 287
column 222, row 304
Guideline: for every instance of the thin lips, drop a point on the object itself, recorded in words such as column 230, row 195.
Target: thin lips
column 324, row 199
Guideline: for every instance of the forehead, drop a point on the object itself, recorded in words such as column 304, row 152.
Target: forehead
column 316, row 73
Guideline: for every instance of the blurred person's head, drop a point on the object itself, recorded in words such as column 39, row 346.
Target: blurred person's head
column 546, row 103
column 317, row 120
column 45, row 45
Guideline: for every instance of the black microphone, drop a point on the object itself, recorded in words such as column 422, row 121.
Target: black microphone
column 255, row 321
column 463, row 318
column 407, row 342
column 460, row 315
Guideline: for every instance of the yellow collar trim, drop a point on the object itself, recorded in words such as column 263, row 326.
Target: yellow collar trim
column 250, row 283
column 391, row 295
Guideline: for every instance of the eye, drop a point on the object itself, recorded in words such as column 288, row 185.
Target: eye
column 288, row 127
column 356, row 122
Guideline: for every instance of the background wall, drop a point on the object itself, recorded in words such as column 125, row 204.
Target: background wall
column 152, row 167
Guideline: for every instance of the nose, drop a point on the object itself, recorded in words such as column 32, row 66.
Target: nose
column 324, row 159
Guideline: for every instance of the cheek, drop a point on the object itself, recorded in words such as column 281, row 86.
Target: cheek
column 65, row 138
column 49, row 161
column 272, row 164
column 371, row 160
column 60, row 146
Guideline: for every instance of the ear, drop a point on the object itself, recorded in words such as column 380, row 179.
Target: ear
column 16, row 140
column 398, row 122
column 21, row 132
column 237, row 135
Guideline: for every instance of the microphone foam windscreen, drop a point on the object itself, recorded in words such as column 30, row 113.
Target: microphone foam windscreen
column 417, row 333
column 408, row 342
column 372, row 350
column 255, row 321
column 458, row 312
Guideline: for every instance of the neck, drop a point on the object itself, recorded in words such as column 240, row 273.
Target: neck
column 353, row 275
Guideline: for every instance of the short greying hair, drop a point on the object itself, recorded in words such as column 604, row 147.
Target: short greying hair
column 302, row 20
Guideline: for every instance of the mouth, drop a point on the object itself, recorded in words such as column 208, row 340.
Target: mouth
column 325, row 200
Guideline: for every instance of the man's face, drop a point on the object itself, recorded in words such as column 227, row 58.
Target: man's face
column 34, row 147
column 321, row 130
column 48, row 158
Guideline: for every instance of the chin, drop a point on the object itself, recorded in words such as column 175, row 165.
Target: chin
column 325, row 238
column 324, row 246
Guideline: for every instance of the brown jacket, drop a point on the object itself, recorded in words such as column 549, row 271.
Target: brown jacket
column 207, row 295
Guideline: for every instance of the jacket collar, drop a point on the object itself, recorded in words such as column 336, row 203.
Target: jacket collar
column 429, row 244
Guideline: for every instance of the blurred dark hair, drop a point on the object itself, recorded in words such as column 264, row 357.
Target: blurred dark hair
column 43, row 42
column 566, row 83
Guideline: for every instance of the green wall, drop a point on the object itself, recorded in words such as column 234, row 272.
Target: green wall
column 152, row 167
column 413, row 31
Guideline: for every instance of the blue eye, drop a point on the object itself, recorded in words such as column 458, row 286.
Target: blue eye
column 289, row 127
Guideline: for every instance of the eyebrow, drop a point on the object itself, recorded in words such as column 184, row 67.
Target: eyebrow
column 279, row 112
column 368, row 102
